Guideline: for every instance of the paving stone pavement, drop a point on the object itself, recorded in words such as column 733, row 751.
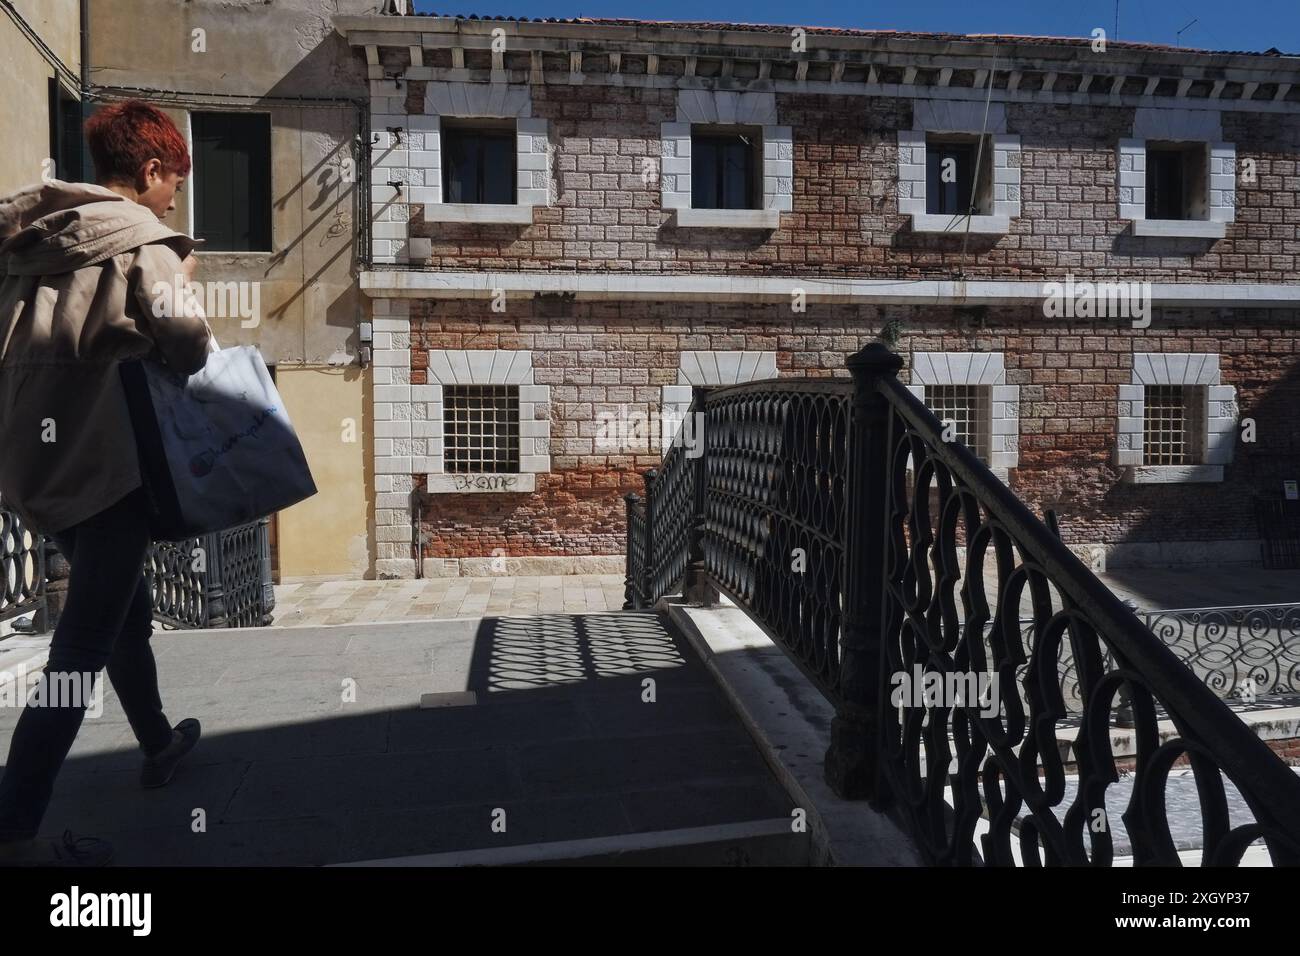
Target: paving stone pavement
column 1182, row 803
column 1174, row 588
column 315, row 749
column 290, row 773
column 354, row 602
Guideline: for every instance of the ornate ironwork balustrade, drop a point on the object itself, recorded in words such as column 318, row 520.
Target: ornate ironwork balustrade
column 1242, row 652
column 22, row 569
column 1247, row 654
column 217, row 580
column 836, row 516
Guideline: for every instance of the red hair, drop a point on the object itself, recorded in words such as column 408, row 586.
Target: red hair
column 124, row 136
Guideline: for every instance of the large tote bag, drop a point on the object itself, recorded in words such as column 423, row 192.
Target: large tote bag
column 216, row 448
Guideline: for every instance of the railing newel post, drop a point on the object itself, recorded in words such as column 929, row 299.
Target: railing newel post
column 41, row 619
column 265, row 578
column 631, row 601
column 648, row 565
column 696, row 587
column 852, row 761
column 214, row 577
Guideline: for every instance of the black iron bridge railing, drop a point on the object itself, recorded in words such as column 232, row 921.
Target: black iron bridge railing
column 1248, row 654
column 217, row 580
column 836, row 516
column 22, row 569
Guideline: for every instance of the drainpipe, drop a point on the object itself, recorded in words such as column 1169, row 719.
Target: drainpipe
column 84, row 13
column 417, row 536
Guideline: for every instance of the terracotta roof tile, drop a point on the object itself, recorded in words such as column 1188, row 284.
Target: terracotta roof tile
column 843, row 31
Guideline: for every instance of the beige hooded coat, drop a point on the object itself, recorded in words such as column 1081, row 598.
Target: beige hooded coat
column 86, row 280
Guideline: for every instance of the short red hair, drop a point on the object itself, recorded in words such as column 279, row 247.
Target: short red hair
column 124, row 136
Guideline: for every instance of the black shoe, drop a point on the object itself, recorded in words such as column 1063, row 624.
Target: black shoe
column 158, row 769
column 70, row 850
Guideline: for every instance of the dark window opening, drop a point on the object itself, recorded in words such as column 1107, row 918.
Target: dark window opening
column 65, row 134
column 723, row 170
column 953, row 184
column 480, row 428
column 478, row 165
column 231, row 187
column 1175, row 181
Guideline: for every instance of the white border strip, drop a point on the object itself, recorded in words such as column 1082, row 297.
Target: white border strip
column 450, row 285
column 709, row 842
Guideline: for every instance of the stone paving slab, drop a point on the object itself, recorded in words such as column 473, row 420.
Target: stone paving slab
column 1173, row 588
column 279, row 740
column 289, row 772
column 349, row 602
column 1182, row 805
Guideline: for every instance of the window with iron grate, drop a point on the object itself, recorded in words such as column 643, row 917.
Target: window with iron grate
column 1171, row 424
column 967, row 407
column 481, row 428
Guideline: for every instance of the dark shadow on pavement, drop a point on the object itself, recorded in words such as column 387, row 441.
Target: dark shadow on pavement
column 566, row 737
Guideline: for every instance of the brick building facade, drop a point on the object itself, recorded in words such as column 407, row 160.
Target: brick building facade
column 609, row 286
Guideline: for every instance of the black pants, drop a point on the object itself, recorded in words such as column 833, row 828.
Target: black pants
column 107, row 621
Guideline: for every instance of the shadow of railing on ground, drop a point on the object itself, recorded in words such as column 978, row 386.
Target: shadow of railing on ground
column 567, row 740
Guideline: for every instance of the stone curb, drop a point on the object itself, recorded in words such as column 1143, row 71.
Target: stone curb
column 759, row 842
column 790, row 723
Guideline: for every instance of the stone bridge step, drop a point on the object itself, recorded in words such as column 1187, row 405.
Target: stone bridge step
column 755, row 843
column 317, row 749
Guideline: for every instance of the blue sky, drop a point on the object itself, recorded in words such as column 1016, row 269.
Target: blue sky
column 1221, row 24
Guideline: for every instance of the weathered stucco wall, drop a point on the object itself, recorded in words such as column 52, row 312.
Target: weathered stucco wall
column 259, row 57
column 286, row 48
column 24, row 78
column 261, row 53
column 59, row 24
column 326, row 534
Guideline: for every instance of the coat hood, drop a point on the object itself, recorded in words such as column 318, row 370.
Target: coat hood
column 55, row 227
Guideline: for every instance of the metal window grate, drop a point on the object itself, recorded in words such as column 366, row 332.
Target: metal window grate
column 481, row 428
column 967, row 407
column 1169, row 423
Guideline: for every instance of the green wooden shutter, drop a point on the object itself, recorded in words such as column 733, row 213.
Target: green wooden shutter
column 232, row 181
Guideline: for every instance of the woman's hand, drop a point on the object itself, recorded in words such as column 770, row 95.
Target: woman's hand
column 189, row 266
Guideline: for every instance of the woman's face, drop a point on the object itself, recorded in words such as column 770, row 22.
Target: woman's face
column 160, row 188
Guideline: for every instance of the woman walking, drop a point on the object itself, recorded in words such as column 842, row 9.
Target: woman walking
column 79, row 268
